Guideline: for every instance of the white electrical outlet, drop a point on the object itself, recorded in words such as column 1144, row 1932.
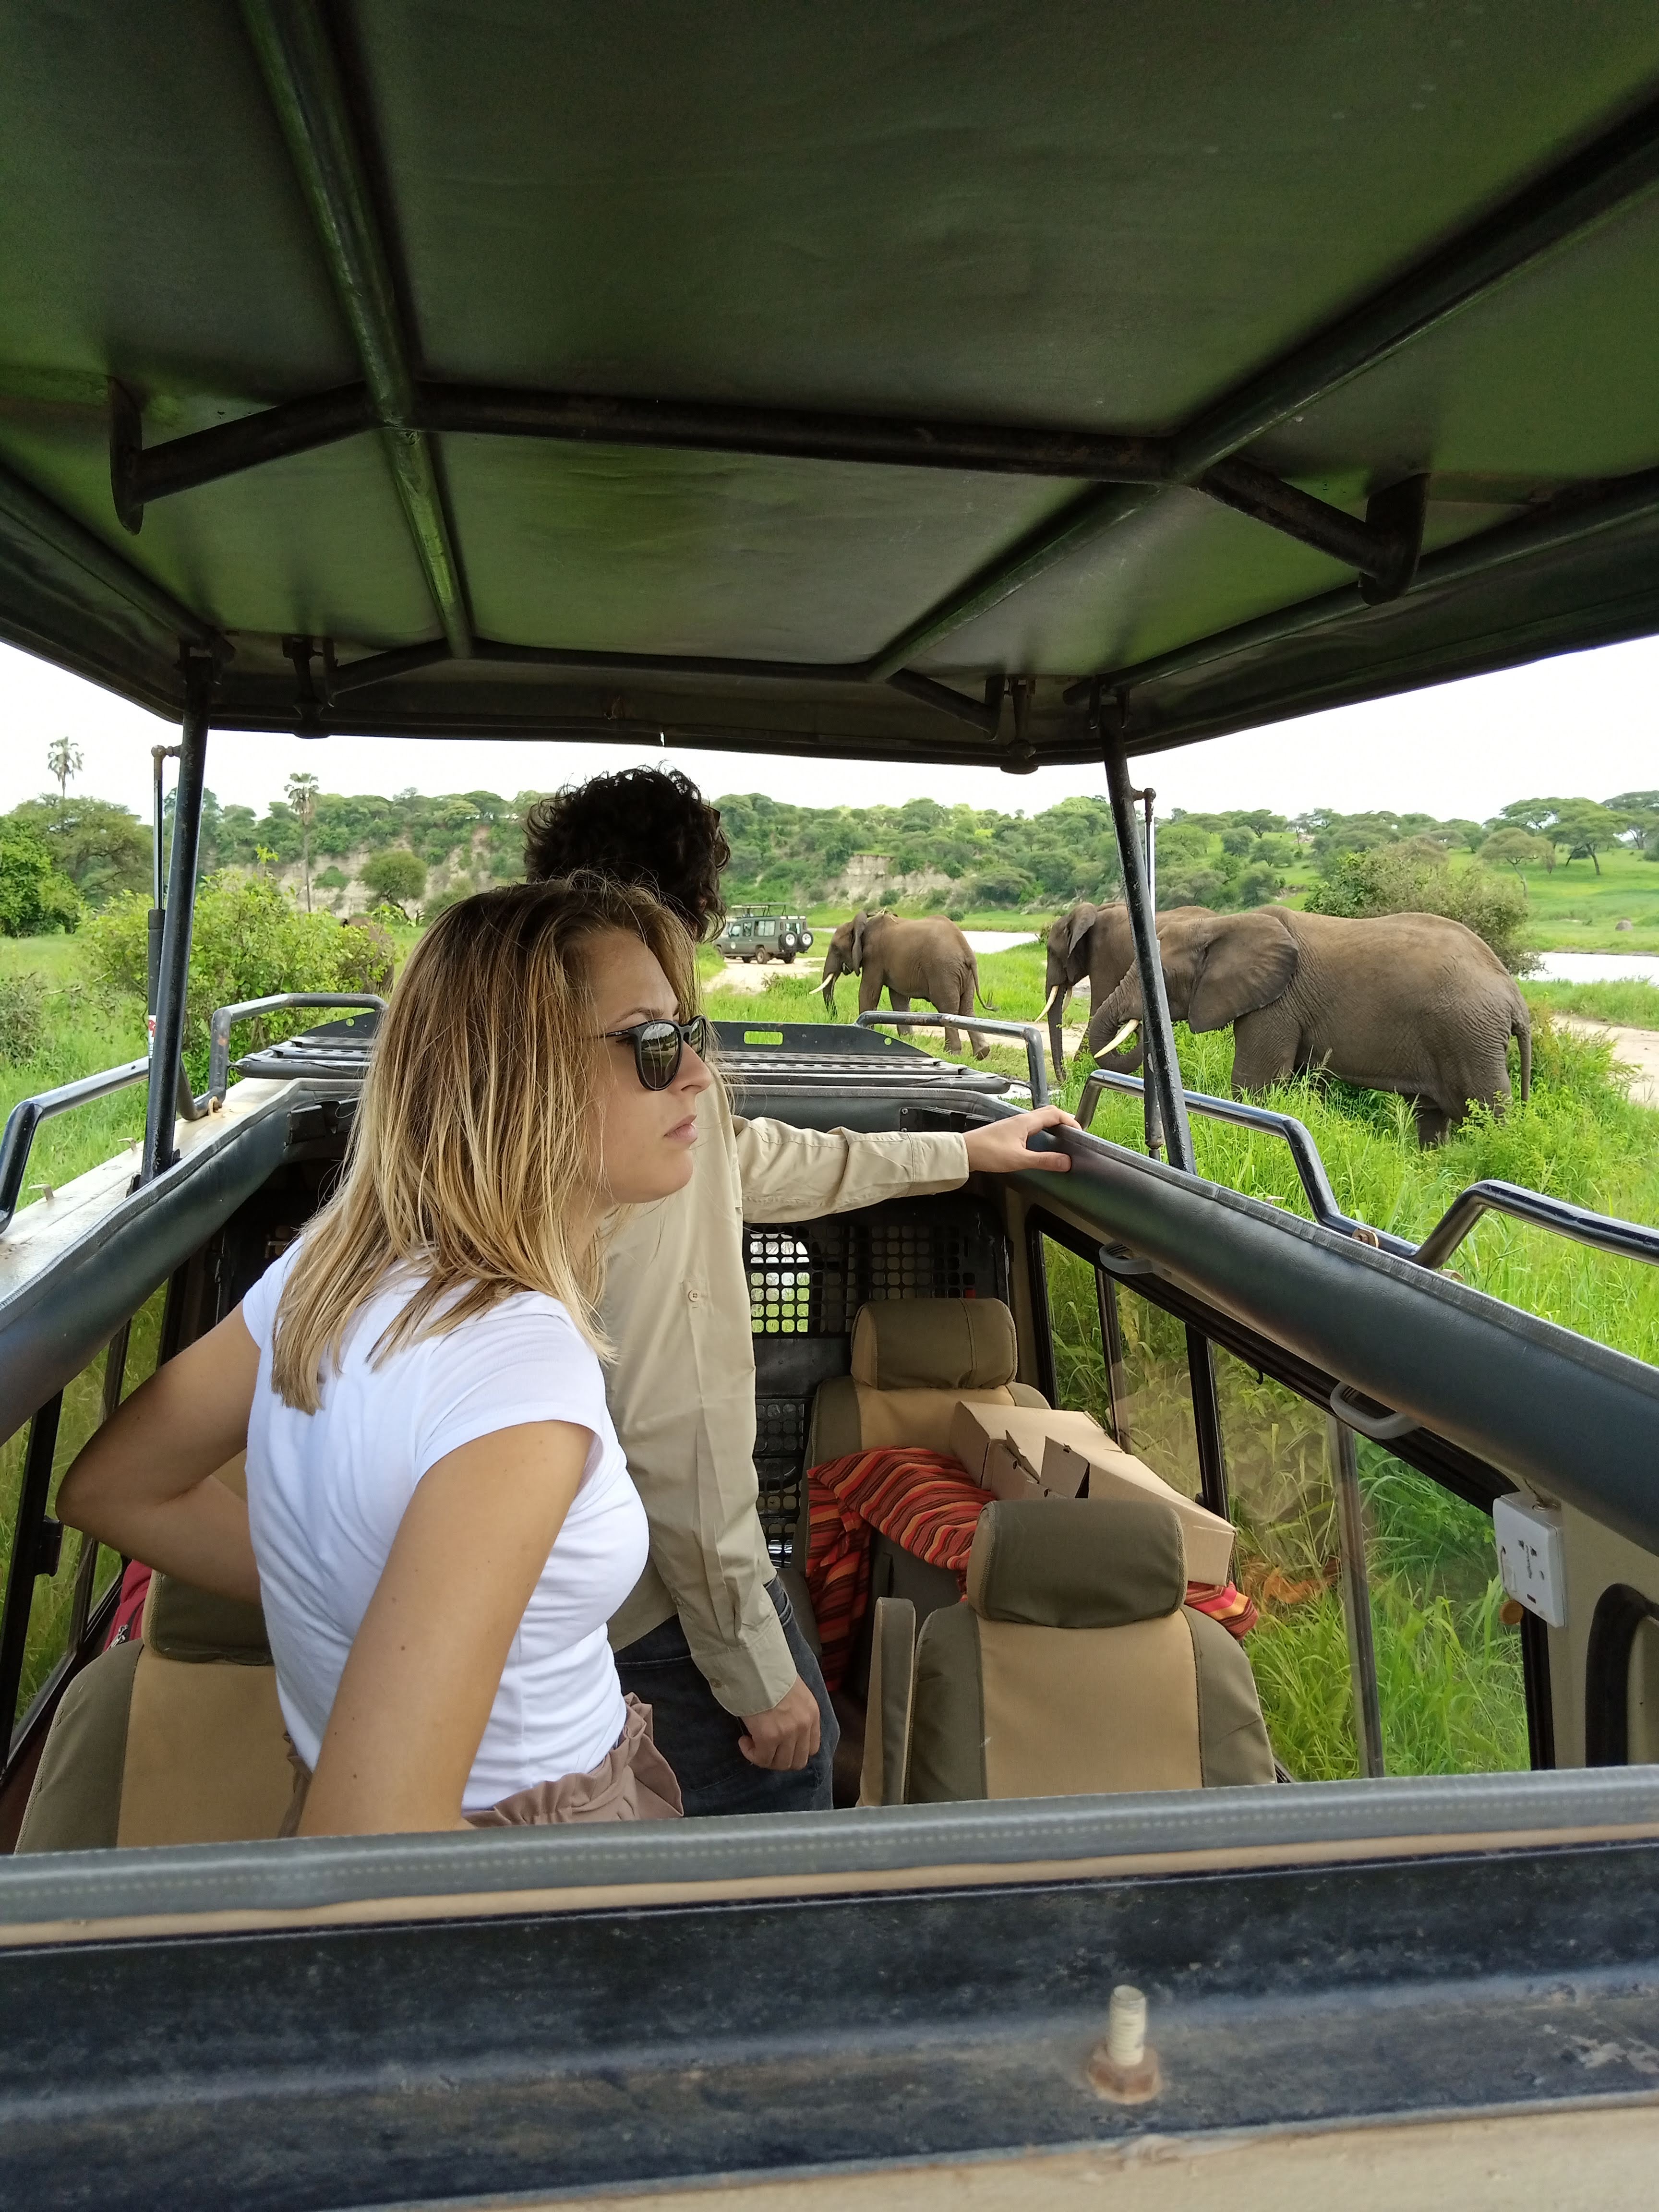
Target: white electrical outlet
column 1530, row 1558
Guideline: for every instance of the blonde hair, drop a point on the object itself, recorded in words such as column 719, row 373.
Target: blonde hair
column 475, row 1126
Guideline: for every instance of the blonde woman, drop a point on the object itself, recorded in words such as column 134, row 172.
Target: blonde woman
column 439, row 1520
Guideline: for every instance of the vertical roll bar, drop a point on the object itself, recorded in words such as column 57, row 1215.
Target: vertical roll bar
column 172, row 981
column 1357, row 1597
column 1157, row 1039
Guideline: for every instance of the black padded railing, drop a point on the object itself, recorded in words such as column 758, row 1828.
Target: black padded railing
column 226, row 1018
column 1603, row 1232
column 28, row 1113
column 1028, row 1032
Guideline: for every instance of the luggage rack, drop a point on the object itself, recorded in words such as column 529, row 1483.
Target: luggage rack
column 804, row 1057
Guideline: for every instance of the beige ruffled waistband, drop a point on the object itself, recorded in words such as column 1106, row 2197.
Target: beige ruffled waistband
column 632, row 1782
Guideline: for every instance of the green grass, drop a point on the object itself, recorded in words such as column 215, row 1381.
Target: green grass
column 83, row 1034
column 1632, row 1006
column 1576, row 910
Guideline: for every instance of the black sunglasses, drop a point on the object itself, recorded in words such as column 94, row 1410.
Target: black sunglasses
column 658, row 1046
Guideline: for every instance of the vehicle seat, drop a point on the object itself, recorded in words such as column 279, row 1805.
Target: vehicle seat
column 914, row 1360
column 177, row 1738
column 1072, row 1668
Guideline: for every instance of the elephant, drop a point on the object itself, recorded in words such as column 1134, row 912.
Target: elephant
column 927, row 958
column 1413, row 1003
column 1093, row 941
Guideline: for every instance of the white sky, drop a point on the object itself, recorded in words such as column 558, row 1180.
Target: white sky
column 1586, row 724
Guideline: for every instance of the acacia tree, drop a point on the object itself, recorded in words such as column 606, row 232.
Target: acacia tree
column 302, row 794
column 1586, row 829
column 63, row 761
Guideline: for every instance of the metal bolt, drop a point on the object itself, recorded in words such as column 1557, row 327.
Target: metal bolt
column 1122, row 2067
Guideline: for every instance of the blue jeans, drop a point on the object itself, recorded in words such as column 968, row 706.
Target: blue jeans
column 698, row 1738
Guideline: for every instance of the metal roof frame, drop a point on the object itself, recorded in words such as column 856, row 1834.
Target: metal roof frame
column 106, row 616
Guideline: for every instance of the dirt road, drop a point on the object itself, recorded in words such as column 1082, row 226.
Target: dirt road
column 1638, row 1048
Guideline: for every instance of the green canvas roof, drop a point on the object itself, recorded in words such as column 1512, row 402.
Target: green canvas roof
column 858, row 380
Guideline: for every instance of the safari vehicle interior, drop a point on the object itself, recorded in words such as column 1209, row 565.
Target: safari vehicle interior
column 1019, row 387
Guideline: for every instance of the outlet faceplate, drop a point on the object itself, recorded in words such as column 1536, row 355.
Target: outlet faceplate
column 1531, row 1558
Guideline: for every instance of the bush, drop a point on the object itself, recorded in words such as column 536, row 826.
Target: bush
column 35, row 898
column 249, row 942
column 399, row 877
column 370, row 958
column 1416, row 877
column 23, row 1017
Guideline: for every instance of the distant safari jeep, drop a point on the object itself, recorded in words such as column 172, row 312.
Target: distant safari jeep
column 759, row 932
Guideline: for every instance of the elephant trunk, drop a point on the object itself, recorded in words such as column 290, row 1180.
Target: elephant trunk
column 832, row 968
column 1123, row 1005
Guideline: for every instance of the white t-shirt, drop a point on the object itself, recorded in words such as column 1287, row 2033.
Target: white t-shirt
column 326, row 1491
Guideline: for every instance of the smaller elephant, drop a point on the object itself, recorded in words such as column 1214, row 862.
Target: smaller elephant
column 1411, row 1003
column 1095, row 941
column 927, row 958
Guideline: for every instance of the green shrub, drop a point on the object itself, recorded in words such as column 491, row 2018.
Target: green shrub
column 249, row 941
column 35, row 898
column 22, row 1016
column 1416, row 877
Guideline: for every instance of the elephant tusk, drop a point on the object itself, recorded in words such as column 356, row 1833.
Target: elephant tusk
column 1127, row 1029
column 1048, row 1002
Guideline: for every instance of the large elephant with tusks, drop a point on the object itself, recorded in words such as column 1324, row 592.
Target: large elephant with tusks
column 1411, row 1003
column 927, row 958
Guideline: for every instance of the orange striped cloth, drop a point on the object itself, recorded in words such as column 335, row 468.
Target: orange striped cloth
column 926, row 1501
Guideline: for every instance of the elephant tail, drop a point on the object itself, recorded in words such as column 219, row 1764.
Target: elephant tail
column 985, row 1004
column 1521, row 1030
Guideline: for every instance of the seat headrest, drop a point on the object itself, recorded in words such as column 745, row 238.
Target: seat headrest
column 183, row 1622
column 934, row 1344
column 1076, row 1562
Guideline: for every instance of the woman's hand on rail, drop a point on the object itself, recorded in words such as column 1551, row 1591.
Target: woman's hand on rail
column 1001, row 1148
column 144, row 1484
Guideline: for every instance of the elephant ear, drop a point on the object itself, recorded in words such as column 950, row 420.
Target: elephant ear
column 1082, row 922
column 1248, row 962
column 855, row 950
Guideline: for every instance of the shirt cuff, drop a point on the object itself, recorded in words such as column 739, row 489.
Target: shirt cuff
column 753, row 1675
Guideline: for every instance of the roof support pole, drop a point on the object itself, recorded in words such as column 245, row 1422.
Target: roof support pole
column 172, row 981
column 1157, row 1036
column 302, row 75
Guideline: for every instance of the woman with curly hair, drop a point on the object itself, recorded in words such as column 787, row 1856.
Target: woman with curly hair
column 709, row 1636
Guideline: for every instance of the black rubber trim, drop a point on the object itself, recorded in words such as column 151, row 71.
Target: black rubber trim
column 1620, row 1612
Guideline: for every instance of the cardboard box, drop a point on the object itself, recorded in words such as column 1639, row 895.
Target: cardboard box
column 1114, row 1474
column 1003, row 1447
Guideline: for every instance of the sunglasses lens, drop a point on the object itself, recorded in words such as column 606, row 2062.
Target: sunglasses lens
column 696, row 1036
column 657, row 1054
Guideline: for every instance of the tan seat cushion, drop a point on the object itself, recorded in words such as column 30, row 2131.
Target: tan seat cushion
column 930, row 1344
column 206, row 1754
column 75, row 1804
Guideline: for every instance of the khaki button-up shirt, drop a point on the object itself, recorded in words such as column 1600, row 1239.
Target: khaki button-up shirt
column 680, row 1383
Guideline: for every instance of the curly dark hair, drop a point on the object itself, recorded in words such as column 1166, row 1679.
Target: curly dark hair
column 647, row 826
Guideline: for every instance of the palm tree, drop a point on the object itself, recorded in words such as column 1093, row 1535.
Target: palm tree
column 63, row 760
column 302, row 798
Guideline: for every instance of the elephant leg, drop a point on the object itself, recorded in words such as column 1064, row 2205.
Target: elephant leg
column 869, row 992
column 982, row 1049
column 1265, row 1046
column 1434, row 1123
